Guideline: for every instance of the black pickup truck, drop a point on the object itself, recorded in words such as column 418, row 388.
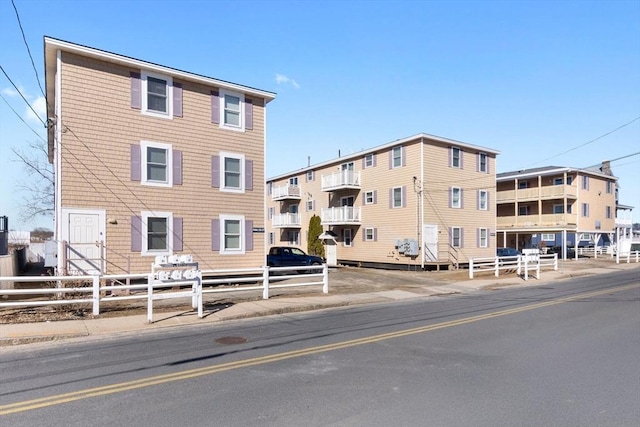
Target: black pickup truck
column 286, row 256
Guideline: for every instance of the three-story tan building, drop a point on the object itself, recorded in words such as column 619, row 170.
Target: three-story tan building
column 150, row 160
column 419, row 202
column 555, row 207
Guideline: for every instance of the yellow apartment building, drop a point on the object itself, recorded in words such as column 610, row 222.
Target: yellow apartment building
column 422, row 202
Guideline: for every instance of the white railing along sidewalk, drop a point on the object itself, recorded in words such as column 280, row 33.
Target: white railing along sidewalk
column 99, row 291
column 522, row 264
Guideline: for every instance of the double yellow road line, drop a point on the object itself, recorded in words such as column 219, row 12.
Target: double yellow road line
column 210, row 370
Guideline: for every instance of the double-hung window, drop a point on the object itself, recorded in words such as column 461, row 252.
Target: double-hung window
column 157, row 236
column 369, row 198
column 483, row 197
column 397, row 199
column 585, row 182
column 483, row 162
column 483, row 237
column 232, row 234
column 456, row 197
column 232, row 106
column 609, row 187
column 157, row 164
column 608, row 212
column 547, row 237
column 558, row 181
column 157, row 93
column 558, row 209
column 585, row 210
column 368, row 161
column 456, row 157
column 369, row 234
column 456, row 237
column 232, row 173
column 397, row 157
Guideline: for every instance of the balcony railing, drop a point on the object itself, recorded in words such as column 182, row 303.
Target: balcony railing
column 543, row 193
column 624, row 222
column 341, row 180
column 546, row 220
column 285, row 192
column 340, row 216
column 286, row 220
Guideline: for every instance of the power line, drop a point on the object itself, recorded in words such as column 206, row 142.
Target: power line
column 21, row 119
column 22, row 96
column 28, row 50
column 619, row 158
column 133, row 193
column 588, row 142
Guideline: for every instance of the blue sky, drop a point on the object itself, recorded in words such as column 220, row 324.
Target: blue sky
column 541, row 81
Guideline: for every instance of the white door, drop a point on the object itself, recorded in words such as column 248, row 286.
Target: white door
column 331, row 253
column 430, row 242
column 84, row 252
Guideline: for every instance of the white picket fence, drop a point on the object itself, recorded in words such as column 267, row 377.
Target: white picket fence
column 521, row 264
column 102, row 289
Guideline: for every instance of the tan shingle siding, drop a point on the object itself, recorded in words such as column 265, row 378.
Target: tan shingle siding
column 96, row 110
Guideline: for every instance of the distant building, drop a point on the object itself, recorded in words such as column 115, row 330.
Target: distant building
column 557, row 207
column 418, row 202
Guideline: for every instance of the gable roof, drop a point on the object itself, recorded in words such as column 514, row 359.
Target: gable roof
column 421, row 137
column 52, row 46
column 549, row 170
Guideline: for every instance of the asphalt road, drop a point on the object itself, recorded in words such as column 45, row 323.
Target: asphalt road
column 552, row 355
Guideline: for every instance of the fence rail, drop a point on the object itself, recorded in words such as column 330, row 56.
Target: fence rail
column 521, row 264
column 103, row 289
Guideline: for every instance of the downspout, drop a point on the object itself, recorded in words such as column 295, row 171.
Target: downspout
column 57, row 159
column 265, row 237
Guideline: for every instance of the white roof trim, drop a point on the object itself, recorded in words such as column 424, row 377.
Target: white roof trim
column 51, row 43
column 415, row 138
column 525, row 174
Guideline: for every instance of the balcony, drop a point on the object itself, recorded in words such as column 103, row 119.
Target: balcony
column 286, row 220
column 624, row 222
column 537, row 221
column 341, row 180
column 285, row 192
column 344, row 215
column 548, row 192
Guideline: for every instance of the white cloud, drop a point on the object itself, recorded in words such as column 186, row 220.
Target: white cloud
column 10, row 92
column 40, row 106
column 282, row 79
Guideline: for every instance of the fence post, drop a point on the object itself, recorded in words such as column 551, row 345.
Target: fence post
column 265, row 282
column 538, row 268
column 526, row 268
column 471, row 268
column 555, row 262
column 519, row 272
column 96, row 295
column 199, row 294
column 150, row 298
column 325, row 278
column 497, row 266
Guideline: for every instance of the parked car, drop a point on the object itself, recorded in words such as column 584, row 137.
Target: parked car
column 501, row 252
column 286, row 256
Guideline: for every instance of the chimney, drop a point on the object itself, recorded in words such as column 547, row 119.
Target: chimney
column 606, row 168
